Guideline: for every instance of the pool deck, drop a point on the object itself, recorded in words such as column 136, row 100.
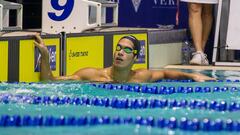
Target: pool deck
column 235, row 68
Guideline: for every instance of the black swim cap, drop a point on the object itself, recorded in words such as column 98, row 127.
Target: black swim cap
column 135, row 42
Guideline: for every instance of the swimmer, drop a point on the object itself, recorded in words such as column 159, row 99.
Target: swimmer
column 125, row 54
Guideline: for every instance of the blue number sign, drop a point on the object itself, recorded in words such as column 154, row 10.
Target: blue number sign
column 67, row 9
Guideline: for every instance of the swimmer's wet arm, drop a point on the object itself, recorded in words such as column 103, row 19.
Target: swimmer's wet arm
column 172, row 74
column 82, row 74
column 46, row 72
column 86, row 74
column 169, row 74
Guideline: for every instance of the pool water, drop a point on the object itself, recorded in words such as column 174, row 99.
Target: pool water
column 219, row 74
column 19, row 99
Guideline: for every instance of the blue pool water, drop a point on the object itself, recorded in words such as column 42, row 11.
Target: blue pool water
column 144, row 103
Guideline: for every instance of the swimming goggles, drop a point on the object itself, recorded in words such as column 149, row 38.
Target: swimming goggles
column 127, row 50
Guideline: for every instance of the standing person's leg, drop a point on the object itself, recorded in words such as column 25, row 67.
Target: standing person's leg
column 207, row 19
column 196, row 27
column 195, row 24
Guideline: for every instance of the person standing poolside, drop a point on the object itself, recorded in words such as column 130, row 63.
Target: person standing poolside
column 200, row 23
column 126, row 53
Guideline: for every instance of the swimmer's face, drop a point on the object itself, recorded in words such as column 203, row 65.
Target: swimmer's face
column 124, row 54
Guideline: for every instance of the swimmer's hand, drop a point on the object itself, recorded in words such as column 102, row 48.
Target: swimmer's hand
column 201, row 78
column 41, row 46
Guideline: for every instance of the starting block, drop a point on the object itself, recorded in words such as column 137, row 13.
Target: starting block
column 113, row 4
column 75, row 16
column 5, row 8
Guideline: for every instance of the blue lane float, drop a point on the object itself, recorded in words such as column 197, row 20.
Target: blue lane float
column 189, row 80
column 123, row 103
column 163, row 90
column 158, row 81
column 171, row 123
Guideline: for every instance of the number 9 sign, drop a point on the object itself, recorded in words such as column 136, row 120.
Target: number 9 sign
column 66, row 10
column 70, row 16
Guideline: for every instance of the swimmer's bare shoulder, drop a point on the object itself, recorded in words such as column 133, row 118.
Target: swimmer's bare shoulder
column 144, row 75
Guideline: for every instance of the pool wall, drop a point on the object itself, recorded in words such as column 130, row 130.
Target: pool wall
column 20, row 59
